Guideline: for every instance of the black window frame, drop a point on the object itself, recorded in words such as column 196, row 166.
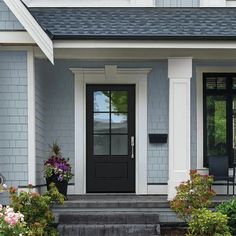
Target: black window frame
column 229, row 93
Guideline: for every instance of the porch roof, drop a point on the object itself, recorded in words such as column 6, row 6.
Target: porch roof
column 137, row 23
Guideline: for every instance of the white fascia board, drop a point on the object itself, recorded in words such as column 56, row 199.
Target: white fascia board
column 14, row 37
column 89, row 3
column 137, row 44
column 32, row 27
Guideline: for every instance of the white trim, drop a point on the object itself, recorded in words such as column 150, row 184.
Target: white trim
column 212, row 3
column 89, row 3
column 157, row 189
column 32, row 27
column 199, row 82
column 15, row 38
column 31, row 118
column 179, row 74
column 128, row 44
column 137, row 76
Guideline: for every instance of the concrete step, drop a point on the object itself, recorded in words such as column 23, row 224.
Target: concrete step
column 108, row 230
column 101, row 218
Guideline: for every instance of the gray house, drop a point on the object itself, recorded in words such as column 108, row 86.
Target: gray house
column 136, row 92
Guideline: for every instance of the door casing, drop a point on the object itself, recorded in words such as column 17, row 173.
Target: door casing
column 111, row 75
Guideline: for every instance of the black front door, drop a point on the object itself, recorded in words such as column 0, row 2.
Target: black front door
column 110, row 138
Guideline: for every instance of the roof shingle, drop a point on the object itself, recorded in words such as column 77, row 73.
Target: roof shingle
column 137, row 23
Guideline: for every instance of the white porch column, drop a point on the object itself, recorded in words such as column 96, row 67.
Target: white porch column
column 179, row 74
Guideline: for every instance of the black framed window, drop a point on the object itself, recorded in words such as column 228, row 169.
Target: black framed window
column 219, row 108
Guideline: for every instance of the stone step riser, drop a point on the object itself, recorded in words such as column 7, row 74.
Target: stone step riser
column 108, row 230
column 109, row 218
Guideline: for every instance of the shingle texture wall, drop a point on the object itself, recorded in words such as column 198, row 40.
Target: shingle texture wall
column 7, row 20
column 177, row 3
column 13, row 117
column 40, row 113
column 59, row 112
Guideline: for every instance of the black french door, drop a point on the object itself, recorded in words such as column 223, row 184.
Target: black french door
column 110, row 138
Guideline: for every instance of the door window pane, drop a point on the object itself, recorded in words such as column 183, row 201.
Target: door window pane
column 119, row 123
column 216, row 125
column 221, row 83
column 119, row 145
column 119, row 101
column 101, row 145
column 211, row 83
column 234, row 128
column 101, row 101
column 101, row 122
column 234, row 83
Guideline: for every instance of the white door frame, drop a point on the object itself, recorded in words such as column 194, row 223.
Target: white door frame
column 111, row 75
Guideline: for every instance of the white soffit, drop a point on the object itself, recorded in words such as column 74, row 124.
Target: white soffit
column 32, row 27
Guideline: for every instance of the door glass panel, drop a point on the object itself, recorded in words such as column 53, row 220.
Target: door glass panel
column 119, row 101
column 101, row 101
column 119, row 123
column 221, row 83
column 101, row 122
column 234, row 127
column 216, row 125
column 234, row 83
column 211, row 83
column 119, row 145
column 101, row 145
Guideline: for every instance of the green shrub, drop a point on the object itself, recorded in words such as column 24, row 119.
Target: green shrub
column 195, row 193
column 207, row 223
column 36, row 209
column 229, row 209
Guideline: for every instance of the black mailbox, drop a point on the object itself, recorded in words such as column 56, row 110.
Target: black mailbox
column 158, row 138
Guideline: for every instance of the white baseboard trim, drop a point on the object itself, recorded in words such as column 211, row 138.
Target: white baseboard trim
column 157, row 189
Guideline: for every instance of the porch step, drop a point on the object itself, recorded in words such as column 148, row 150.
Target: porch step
column 103, row 217
column 109, row 224
column 107, row 230
column 108, row 216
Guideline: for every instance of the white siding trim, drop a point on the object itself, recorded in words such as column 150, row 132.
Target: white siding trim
column 15, row 38
column 89, row 3
column 31, row 118
column 199, row 80
column 135, row 44
column 137, row 76
column 32, row 26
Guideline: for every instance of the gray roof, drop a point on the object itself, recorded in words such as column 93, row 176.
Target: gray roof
column 137, row 23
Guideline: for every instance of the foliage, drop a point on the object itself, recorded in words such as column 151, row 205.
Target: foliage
column 207, row 223
column 12, row 223
column 3, row 187
column 229, row 209
column 194, row 194
column 57, row 165
column 36, row 209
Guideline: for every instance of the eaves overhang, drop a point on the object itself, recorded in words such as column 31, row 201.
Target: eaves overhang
column 32, row 27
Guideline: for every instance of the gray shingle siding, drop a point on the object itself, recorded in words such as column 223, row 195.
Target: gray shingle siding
column 40, row 111
column 13, row 117
column 7, row 20
column 59, row 111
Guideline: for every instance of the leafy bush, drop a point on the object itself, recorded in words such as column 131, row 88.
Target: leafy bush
column 196, row 193
column 12, row 223
column 36, row 209
column 229, row 209
column 207, row 223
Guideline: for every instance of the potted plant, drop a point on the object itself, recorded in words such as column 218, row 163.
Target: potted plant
column 57, row 170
